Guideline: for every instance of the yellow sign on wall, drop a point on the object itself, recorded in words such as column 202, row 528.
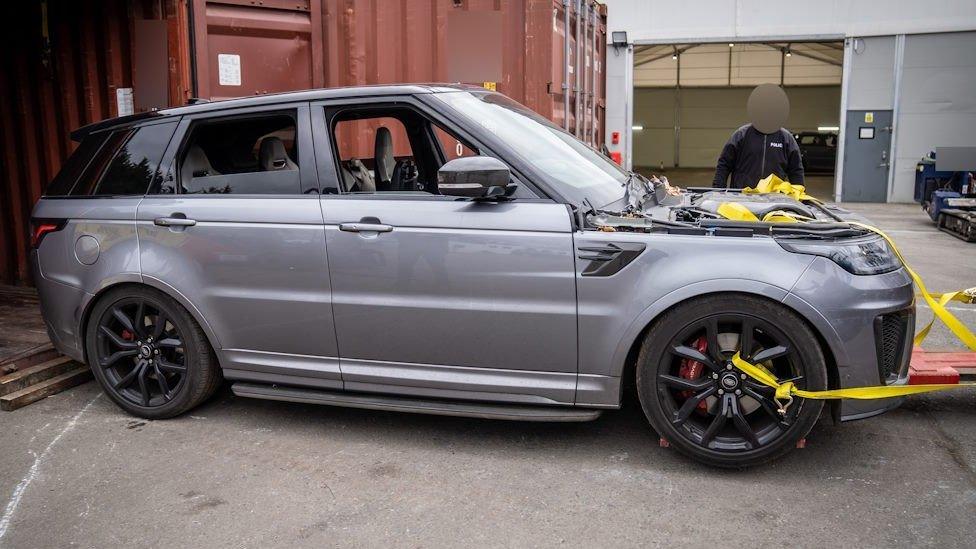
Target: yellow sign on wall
column 869, row 118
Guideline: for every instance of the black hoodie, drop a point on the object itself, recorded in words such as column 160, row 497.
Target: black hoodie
column 751, row 155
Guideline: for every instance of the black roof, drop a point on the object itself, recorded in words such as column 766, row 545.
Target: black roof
column 271, row 99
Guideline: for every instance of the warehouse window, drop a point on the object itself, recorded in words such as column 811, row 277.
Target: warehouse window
column 241, row 155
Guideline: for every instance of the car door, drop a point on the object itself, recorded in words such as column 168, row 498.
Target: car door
column 434, row 295
column 235, row 229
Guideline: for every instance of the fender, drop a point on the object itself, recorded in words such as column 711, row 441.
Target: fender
column 136, row 278
column 723, row 285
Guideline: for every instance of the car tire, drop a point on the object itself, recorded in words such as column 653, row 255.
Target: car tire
column 152, row 378
column 750, row 430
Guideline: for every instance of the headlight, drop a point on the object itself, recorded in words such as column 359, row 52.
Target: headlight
column 861, row 257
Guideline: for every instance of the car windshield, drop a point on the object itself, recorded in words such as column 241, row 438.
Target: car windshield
column 578, row 171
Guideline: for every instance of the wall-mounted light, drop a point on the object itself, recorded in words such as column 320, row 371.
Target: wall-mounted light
column 789, row 53
column 618, row 39
column 731, row 45
column 637, row 128
column 828, row 128
column 674, row 56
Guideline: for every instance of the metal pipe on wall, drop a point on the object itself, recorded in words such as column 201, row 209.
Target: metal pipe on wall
column 595, row 38
column 577, row 66
column 584, row 70
column 565, row 86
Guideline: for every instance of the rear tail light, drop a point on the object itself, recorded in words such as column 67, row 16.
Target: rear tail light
column 41, row 227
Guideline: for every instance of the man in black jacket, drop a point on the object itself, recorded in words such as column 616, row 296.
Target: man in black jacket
column 763, row 147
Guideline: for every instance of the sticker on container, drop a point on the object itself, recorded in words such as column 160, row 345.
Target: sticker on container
column 229, row 69
column 123, row 100
column 868, row 117
column 493, row 86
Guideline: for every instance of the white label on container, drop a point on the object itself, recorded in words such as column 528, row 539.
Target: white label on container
column 229, row 69
column 123, row 100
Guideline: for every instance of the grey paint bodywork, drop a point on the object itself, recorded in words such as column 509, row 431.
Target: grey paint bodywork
column 461, row 300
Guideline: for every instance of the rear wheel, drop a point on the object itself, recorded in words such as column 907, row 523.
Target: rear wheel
column 708, row 409
column 148, row 353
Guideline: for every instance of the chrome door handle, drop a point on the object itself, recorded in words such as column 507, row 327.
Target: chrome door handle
column 365, row 227
column 174, row 222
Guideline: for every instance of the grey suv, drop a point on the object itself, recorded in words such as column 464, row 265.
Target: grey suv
column 443, row 249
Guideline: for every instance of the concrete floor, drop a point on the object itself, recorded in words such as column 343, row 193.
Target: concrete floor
column 76, row 471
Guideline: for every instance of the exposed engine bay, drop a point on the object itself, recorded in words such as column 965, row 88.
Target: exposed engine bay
column 654, row 205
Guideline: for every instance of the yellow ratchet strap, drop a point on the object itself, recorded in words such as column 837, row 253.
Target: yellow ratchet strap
column 773, row 184
column 938, row 306
column 785, row 391
column 738, row 212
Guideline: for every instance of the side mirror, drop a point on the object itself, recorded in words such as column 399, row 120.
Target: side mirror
column 474, row 177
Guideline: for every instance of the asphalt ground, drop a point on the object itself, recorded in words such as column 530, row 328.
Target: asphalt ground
column 77, row 471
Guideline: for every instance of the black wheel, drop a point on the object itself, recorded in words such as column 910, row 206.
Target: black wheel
column 148, row 353
column 704, row 406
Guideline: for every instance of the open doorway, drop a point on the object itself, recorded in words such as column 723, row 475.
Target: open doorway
column 689, row 98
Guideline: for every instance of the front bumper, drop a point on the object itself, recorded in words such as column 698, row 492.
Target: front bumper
column 867, row 322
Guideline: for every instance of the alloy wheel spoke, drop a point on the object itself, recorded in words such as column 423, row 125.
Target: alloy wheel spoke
column 159, row 325
column 143, row 387
column 684, row 383
column 128, row 378
column 689, row 406
column 717, row 422
column 696, row 355
column 116, row 339
column 114, row 357
column 161, row 380
column 767, row 405
column 742, row 424
column 771, row 353
column 745, row 338
column 140, row 319
column 711, row 337
column 169, row 366
column 124, row 320
column 169, row 342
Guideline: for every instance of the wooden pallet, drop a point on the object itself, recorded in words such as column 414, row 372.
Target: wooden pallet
column 929, row 367
column 31, row 376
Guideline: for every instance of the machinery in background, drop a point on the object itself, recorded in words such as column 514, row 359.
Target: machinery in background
column 949, row 197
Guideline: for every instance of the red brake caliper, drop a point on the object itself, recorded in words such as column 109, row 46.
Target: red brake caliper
column 692, row 369
column 127, row 335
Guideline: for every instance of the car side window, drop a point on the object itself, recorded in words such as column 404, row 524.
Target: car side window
column 253, row 154
column 136, row 163
column 92, row 173
column 394, row 149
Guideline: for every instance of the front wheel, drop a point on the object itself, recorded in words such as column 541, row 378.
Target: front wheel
column 706, row 408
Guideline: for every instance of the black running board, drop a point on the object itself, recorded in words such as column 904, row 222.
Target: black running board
column 511, row 412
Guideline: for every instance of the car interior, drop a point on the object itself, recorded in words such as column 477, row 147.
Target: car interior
column 391, row 150
column 253, row 155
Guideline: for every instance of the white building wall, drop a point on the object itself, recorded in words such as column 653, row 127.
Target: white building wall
column 648, row 21
column 937, row 104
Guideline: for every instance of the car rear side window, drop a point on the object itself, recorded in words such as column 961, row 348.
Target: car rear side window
column 74, row 166
column 136, row 163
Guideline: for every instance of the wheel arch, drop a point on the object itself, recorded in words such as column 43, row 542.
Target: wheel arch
column 627, row 366
column 147, row 282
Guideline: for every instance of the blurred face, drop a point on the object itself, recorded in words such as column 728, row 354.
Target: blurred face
column 768, row 108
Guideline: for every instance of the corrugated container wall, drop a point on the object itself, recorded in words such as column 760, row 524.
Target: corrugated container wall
column 68, row 63
column 63, row 63
column 245, row 48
